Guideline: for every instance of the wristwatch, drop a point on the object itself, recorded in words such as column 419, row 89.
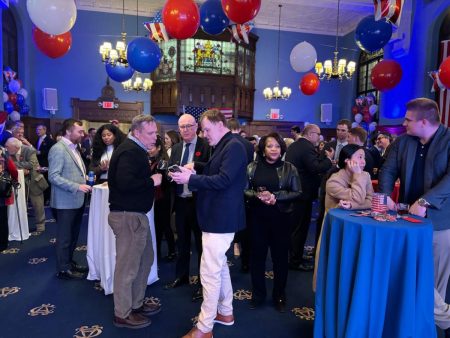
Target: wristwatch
column 423, row 202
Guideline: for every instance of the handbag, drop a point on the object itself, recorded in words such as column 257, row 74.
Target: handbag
column 6, row 184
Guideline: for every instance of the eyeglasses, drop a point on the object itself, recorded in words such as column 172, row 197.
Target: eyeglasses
column 186, row 126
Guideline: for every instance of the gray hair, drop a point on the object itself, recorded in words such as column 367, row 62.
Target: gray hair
column 14, row 142
column 141, row 119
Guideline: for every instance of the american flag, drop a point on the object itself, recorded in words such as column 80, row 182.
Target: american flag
column 240, row 31
column 444, row 94
column 157, row 29
column 379, row 203
column 389, row 10
column 198, row 111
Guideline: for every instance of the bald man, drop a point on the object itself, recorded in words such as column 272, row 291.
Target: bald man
column 193, row 152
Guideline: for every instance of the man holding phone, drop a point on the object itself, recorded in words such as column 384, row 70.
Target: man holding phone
column 194, row 153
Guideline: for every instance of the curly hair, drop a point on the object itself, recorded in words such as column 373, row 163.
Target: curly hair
column 263, row 140
column 99, row 147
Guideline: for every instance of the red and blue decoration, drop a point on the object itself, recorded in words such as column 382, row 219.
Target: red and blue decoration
column 181, row 18
column 241, row 11
column 213, row 20
column 119, row 72
column 386, row 75
column 14, row 96
column 53, row 46
column 389, row 10
column 239, row 32
column 444, row 72
column 143, row 55
column 309, row 84
column 371, row 35
column 157, row 29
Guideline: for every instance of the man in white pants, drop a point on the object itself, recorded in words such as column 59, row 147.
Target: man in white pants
column 220, row 211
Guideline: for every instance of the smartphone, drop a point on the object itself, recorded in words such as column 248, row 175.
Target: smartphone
column 174, row 168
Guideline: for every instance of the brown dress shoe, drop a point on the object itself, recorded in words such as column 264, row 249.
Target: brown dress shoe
column 148, row 309
column 133, row 321
column 196, row 333
column 224, row 320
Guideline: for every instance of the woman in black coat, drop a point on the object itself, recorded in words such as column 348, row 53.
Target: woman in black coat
column 107, row 138
column 273, row 186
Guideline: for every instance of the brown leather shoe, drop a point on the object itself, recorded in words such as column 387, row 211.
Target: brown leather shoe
column 133, row 321
column 148, row 309
column 196, row 333
column 224, row 320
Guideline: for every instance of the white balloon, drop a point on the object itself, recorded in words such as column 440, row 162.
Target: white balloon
column 373, row 109
column 52, row 16
column 303, row 57
column 5, row 97
column 23, row 92
column 358, row 118
column 355, row 124
column 372, row 126
column 14, row 116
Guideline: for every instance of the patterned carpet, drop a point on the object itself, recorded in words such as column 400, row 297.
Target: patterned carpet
column 35, row 304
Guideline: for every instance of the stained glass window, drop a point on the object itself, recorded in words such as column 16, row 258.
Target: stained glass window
column 167, row 69
column 207, row 56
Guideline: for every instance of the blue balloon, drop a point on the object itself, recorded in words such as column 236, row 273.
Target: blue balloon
column 143, row 55
column 371, row 35
column 20, row 100
column 6, row 88
column 8, row 106
column 212, row 17
column 24, row 109
column 119, row 73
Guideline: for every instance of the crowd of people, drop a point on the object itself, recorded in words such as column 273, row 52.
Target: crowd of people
column 224, row 187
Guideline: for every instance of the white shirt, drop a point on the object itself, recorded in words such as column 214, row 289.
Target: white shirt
column 73, row 148
column 106, row 156
column 193, row 143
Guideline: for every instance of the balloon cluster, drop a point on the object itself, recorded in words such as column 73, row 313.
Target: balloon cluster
column 444, row 72
column 14, row 95
column 53, row 20
column 365, row 112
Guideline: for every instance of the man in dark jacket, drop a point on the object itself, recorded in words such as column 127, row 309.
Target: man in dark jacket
column 43, row 145
column 310, row 166
column 131, row 195
column 421, row 159
column 220, row 210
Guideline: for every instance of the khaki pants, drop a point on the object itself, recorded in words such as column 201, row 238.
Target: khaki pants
column 134, row 258
column 37, row 201
column 215, row 278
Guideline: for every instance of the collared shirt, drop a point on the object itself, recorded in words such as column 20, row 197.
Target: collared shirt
column 74, row 150
column 186, row 192
column 339, row 146
column 41, row 139
column 139, row 143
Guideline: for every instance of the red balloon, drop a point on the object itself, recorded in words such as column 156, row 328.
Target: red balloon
column 241, row 11
column 444, row 72
column 386, row 75
column 366, row 115
column 181, row 18
column 12, row 98
column 310, row 84
column 355, row 110
column 53, row 46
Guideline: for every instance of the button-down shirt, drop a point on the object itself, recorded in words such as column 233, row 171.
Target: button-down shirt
column 193, row 143
column 76, row 154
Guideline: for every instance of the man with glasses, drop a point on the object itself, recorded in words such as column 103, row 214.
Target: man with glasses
column 342, row 132
column 193, row 153
column 383, row 142
column 310, row 165
column 420, row 158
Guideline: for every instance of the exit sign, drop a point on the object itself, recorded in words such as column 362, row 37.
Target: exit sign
column 107, row 105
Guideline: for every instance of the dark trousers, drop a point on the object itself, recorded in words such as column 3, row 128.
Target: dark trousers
column 269, row 228
column 162, row 226
column 185, row 223
column 68, row 229
column 243, row 237
column 4, row 230
column 300, row 230
column 48, row 190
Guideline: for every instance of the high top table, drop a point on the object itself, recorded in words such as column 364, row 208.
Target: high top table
column 374, row 279
column 101, row 242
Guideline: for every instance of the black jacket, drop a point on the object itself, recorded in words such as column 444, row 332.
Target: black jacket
column 130, row 185
column 43, row 150
column 310, row 166
column 289, row 186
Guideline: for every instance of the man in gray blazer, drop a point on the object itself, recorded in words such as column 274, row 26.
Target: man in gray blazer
column 420, row 158
column 24, row 158
column 67, row 175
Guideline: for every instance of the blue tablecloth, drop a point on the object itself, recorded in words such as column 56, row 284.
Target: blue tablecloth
column 375, row 279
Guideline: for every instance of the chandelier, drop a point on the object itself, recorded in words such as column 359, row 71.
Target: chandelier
column 117, row 56
column 137, row 84
column 334, row 69
column 276, row 93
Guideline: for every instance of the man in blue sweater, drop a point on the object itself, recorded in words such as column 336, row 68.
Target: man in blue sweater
column 220, row 211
